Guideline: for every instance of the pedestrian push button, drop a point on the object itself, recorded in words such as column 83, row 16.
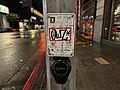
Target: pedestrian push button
column 60, row 69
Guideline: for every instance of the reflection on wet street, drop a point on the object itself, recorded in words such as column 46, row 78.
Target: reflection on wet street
column 19, row 53
column 26, row 34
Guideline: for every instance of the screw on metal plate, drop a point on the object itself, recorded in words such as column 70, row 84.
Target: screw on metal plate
column 72, row 16
column 48, row 16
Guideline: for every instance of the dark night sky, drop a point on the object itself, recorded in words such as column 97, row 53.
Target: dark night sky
column 16, row 7
column 13, row 5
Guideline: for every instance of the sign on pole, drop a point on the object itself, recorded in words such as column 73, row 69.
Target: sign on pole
column 60, row 34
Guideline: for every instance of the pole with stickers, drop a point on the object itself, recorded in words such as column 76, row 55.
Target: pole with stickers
column 60, row 41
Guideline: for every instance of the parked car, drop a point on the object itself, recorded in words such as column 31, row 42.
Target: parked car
column 14, row 29
column 8, row 29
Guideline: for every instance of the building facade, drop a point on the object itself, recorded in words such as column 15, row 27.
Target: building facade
column 102, row 19
column 111, row 23
column 3, row 19
column 86, row 20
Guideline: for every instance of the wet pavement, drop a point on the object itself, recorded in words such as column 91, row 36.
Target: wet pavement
column 97, row 67
column 19, row 54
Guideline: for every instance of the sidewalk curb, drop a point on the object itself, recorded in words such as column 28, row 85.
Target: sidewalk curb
column 32, row 76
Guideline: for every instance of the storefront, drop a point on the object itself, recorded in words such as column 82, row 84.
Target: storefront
column 100, row 21
column 86, row 21
column 3, row 19
column 111, row 25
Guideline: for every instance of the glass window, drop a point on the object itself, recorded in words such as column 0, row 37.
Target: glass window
column 115, row 31
column 86, row 29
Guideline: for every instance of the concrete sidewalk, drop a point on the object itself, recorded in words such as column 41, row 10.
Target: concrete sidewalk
column 98, row 68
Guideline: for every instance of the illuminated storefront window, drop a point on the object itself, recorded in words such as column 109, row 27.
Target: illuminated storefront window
column 87, row 13
column 115, row 30
column 87, row 27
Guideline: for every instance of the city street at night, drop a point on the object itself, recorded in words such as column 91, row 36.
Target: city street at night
column 19, row 54
column 59, row 44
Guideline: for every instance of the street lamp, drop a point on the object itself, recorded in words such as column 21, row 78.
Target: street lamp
column 21, row 2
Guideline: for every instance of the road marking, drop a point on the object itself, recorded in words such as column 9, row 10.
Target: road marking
column 102, row 61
